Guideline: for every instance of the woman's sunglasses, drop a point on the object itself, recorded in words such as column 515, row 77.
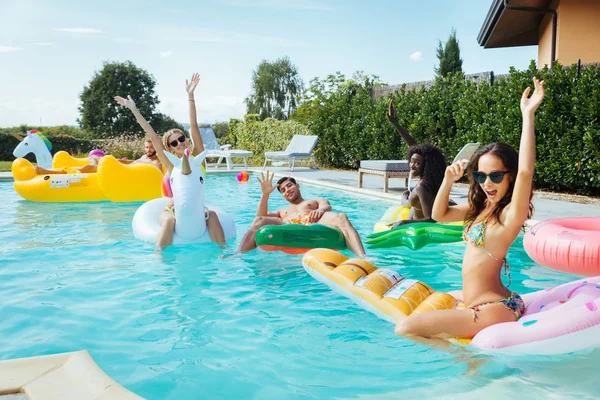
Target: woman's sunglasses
column 495, row 177
column 174, row 143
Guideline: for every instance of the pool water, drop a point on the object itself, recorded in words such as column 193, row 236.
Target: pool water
column 186, row 324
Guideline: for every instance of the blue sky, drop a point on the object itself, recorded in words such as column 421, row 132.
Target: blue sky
column 50, row 49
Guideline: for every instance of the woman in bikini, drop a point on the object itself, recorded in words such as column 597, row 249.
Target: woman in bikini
column 499, row 204
column 427, row 163
column 176, row 143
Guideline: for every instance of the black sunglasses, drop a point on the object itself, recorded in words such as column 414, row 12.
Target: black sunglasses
column 495, row 177
column 174, row 143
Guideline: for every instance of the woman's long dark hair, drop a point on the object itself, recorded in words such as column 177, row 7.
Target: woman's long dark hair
column 477, row 196
column 433, row 168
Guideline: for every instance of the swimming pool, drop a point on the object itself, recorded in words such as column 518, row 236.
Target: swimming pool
column 187, row 324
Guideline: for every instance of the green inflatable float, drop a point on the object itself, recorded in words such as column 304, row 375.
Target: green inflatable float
column 298, row 239
column 416, row 235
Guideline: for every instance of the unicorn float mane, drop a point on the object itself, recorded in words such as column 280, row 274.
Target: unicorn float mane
column 37, row 144
column 187, row 181
column 44, row 138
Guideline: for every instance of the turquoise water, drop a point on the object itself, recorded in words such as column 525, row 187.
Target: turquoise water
column 186, row 324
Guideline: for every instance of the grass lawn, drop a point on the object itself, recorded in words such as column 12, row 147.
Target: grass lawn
column 5, row 166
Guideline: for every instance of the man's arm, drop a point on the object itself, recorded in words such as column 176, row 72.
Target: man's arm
column 263, row 208
column 324, row 206
column 267, row 187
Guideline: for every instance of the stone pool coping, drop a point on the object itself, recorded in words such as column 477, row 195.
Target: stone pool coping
column 64, row 376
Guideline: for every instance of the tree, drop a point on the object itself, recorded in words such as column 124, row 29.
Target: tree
column 103, row 117
column 276, row 87
column 449, row 56
column 221, row 129
column 162, row 123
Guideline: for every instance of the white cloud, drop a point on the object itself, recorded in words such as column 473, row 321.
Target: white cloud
column 416, row 56
column 78, row 30
column 6, row 49
column 42, row 44
column 167, row 53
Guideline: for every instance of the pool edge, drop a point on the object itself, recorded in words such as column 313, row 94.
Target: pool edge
column 63, row 376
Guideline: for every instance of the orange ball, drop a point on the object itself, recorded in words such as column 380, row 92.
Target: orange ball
column 243, row 177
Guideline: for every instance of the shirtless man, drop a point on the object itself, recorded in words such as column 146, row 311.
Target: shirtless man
column 148, row 158
column 299, row 211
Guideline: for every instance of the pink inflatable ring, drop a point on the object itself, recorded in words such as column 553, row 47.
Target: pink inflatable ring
column 558, row 320
column 569, row 245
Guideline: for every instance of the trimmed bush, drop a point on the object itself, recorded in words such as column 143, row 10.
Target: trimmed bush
column 127, row 146
column 452, row 112
column 260, row 136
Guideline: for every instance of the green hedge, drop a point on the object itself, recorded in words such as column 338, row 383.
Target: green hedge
column 260, row 136
column 352, row 126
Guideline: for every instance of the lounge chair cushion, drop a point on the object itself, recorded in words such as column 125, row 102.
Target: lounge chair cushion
column 386, row 165
column 232, row 153
column 285, row 154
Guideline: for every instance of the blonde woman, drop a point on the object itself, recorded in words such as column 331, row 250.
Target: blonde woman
column 175, row 142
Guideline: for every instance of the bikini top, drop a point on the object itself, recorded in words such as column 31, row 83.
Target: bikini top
column 475, row 235
column 409, row 191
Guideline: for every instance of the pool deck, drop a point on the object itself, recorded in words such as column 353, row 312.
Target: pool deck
column 545, row 208
column 62, row 376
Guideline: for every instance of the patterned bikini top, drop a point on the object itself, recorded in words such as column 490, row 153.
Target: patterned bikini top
column 475, row 235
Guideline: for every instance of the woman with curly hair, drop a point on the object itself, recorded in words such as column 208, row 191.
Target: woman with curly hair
column 427, row 163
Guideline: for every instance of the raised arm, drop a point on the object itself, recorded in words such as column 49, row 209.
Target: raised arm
column 267, row 187
column 403, row 132
column 156, row 142
column 441, row 211
column 190, row 86
column 518, row 209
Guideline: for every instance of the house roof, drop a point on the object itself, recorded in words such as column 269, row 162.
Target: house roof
column 505, row 27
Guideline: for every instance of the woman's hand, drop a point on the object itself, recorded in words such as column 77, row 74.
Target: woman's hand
column 530, row 104
column 190, row 86
column 389, row 114
column 397, row 224
column 266, row 185
column 128, row 102
column 456, row 171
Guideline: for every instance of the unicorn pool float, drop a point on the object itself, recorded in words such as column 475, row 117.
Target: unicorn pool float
column 113, row 180
column 186, row 184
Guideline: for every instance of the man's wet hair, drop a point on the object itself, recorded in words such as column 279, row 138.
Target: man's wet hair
column 285, row 178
